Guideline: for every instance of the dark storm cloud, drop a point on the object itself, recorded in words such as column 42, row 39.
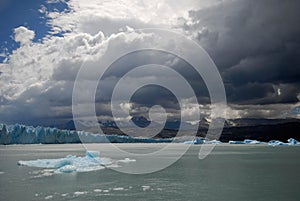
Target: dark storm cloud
column 256, row 46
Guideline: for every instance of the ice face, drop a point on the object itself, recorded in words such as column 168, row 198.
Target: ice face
column 20, row 134
column 90, row 162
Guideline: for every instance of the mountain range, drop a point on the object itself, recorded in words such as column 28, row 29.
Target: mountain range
column 234, row 129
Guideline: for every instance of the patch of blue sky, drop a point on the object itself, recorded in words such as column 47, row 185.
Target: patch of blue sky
column 15, row 13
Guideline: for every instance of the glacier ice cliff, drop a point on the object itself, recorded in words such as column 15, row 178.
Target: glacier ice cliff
column 21, row 134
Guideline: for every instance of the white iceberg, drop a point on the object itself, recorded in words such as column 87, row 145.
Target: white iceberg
column 236, row 142
column 247, row 141
column 195, row 141
column 292, row 141
column 277, row 143
column 212, row 142
column 90, row 162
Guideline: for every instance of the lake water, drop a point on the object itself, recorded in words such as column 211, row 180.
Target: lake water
column 230, row 172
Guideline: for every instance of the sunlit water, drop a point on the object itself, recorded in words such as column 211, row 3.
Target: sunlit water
column 230, row 172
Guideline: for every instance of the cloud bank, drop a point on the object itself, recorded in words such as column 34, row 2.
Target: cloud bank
column 255, row 45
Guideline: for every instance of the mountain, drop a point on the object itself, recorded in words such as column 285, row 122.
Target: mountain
column 140, row 121
column 234, row 129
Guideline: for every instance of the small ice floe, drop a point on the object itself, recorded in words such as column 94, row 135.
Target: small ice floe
column 127, row 160
column 48, row 197
column 97, row 190
column 90, row 162
column 118, row 189
column 236, row 142
column 277, row 143
column 145, row 188
column 195, row 141
column 78, row 193
column 1, row 172
column 212, row 142
column 247, row 141
column 291, row 142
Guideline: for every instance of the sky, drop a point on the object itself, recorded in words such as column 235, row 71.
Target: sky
column 43, row 44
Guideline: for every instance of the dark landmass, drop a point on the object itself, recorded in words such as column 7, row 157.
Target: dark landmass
column 237, row 129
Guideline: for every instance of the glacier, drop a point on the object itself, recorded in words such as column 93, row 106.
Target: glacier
column 90, row 162
column 21, row 134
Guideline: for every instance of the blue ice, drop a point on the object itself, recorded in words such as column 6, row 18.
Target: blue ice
column 90, row 162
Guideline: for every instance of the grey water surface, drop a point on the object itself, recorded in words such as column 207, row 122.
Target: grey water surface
column 230, row 172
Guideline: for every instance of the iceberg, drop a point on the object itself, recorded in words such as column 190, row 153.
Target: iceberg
column 212, row 142
column 292, row 141
column 277, row 143
column 197, row 140
column 236, row 142
column 247, row 141
column 90, row 162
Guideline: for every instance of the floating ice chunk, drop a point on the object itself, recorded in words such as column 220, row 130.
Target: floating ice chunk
column 236, row 142
column 292, row 141
column 77, row 193
column 90, row 162
column 145, row 188
column 277, row 143
column 247, row 141
column 195, row 141
column 213, row 142
column 118, row 189
column 48, row 197
column 127, row 160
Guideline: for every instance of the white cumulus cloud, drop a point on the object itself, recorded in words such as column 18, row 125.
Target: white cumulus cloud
column 23, row 35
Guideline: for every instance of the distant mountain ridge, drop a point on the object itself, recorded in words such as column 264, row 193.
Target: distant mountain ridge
column 143, row 122
column 238, row 130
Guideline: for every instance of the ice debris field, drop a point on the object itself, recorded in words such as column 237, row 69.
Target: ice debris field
column 290, row 142
column 90, row 162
